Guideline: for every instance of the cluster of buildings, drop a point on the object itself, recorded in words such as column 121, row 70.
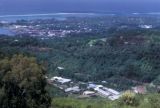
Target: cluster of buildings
column 36, row 31
column 89, row 89
column 44, row 30
column 105, row 92
column 51, row 30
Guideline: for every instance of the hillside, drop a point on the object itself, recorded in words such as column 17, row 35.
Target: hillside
column 124, row 58
column 129, row 57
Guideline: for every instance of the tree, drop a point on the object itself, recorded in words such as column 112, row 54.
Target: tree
column 22, row 83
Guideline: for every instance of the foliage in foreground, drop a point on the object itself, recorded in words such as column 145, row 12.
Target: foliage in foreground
column 129, row 98
column 22, row 83
column 146, row 101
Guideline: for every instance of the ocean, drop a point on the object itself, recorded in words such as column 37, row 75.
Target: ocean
column 58, row 16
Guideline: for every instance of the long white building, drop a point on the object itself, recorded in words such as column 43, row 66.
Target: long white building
column 107, row 92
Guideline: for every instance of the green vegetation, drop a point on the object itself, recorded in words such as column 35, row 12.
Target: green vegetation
column 22, row 83
column 129, row 98
column 81, row 103
column 146, row 101
column 126, row 56
column 123, row 59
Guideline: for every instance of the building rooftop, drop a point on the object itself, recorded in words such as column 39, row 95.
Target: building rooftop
column 139, row 89
column 72, row 89
column 88, row 92
column 60, row 79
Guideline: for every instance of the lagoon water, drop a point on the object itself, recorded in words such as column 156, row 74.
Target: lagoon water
column 6, row 31
column 58, row 16
column 13, row 18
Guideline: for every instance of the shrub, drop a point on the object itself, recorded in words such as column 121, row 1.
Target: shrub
column 129, row 98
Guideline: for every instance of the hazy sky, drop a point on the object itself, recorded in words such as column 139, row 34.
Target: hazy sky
column 47, row 6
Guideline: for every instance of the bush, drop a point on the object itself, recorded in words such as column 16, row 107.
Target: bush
column 129, row 98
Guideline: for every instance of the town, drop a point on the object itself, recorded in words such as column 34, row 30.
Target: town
column 74, row 25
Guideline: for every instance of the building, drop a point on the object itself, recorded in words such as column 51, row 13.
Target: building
column 139, row 89
column 89, row 93
column 146, row 26
column 91, row 86
column 74, row 89
column 104, row 81
column 60, row 80
column 60, row 68
column 101, row 91
column 114, row 92
column 107, row 92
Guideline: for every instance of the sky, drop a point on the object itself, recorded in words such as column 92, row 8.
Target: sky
column 51, row 6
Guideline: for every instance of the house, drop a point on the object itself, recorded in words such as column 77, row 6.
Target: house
column 104, row 81
column 16, row 40
column 60, row 80
column 74, row 89
column 89, row 93
column 146, row 26
column 139, row 89
column 91, row 86
column 60, row 68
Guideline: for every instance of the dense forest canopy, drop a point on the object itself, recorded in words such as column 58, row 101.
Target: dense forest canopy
column 128, row 56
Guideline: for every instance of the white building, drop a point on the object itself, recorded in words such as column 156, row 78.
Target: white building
column 60, row 68
column 16, row 40
column 107, row 92
column 60, row 80
column 102, row 91
column 88, row 92
column 72, row 89
column 146, row 26
column 113, row 91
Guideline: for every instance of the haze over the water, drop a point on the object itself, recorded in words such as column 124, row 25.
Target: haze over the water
column 12, row 7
